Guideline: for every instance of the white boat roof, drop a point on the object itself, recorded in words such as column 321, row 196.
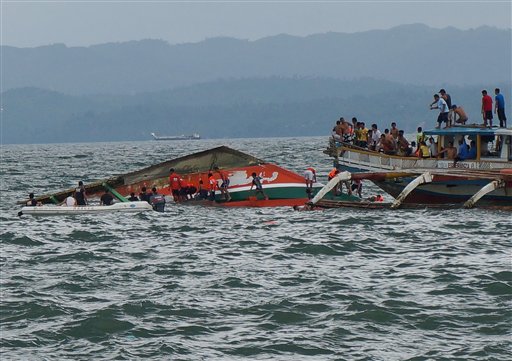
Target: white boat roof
column 504, row 131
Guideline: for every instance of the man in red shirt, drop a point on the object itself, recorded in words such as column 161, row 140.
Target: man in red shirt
column 486, row 108
column 175, row 183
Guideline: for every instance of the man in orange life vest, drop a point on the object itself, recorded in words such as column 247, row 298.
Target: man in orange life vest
column 333, row 173
column 175, row 182
column 212, row 183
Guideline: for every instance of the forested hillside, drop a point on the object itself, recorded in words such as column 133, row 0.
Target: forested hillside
column 224, row 109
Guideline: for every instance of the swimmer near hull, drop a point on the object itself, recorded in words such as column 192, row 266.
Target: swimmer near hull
column 281, row 187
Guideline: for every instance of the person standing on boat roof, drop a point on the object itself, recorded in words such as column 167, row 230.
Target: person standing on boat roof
column 175, row 182
column 447, row 98
column 459, row 115
column 499, row 108
column 224, row 184
column 157, row 200
column 440, row 103
column 80, row 195
column 256, row 182
column 486, row 109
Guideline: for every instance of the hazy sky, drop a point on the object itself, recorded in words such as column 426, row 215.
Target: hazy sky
column 86, row 22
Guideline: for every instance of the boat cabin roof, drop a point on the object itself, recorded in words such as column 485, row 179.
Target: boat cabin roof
column 464, row 130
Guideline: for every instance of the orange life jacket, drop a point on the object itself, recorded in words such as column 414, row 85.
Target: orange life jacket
column 333, row 173
column 213, row 183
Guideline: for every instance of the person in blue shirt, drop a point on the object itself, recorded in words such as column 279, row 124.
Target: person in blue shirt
column 472, row 151
column 499, row 108
column 462, row 152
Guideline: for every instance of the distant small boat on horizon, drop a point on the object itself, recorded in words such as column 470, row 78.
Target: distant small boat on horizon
column 194, row 136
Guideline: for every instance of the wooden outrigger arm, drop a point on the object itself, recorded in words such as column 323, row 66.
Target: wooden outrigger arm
column 495, row 184
column 340, row 177
column 424, row 178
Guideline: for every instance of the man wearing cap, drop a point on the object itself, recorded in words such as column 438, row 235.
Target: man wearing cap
column 440, row 104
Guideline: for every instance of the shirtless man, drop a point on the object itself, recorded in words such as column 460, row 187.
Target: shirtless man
column 451, row 151
column 403, row 144
column 459, row 115
column 394, row 131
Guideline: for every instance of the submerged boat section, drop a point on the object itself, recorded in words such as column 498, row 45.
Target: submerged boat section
column 282, row 187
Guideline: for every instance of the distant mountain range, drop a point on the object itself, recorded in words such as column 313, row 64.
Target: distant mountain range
column 222, row 87
column 413, row 54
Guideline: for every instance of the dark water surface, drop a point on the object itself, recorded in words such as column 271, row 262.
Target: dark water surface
column 209, row 283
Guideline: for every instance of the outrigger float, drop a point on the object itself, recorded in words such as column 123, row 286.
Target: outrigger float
column 485, row 181
column 497, row 180
column 282, row 187
column 51, row 209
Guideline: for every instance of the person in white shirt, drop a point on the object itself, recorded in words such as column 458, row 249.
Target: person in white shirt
column 70, row 201
column 432, row 147
column 375, row 136
column 440, row 104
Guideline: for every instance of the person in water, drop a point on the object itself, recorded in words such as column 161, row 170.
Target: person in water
column 70, row 201
column 80, row 195
column 256, row 182
column 31, row 201
column 157, row 200
column 144, row 196
column 106, row 199
column 175, row 185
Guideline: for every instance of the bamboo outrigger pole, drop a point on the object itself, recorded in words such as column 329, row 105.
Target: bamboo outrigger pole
column 424, row 178
column 495, row 184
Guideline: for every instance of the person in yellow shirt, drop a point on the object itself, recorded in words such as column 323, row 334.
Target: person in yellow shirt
column 424, row 150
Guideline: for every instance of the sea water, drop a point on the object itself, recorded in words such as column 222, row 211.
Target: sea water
column 268, row 284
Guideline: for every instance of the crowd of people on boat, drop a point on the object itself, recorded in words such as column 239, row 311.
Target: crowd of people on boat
column 392, row 140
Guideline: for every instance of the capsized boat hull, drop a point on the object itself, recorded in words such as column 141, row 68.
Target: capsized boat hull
column 282, row 187
column 51, row 210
